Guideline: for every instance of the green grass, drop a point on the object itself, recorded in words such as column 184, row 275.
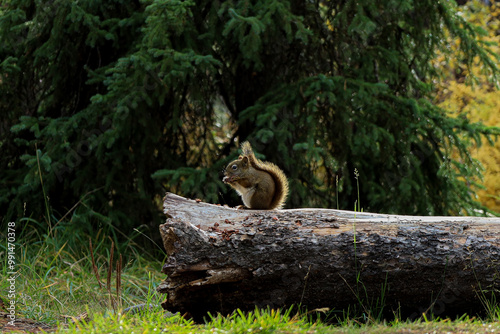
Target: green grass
column 56, row 276
column 57, row 281
column 264, row 321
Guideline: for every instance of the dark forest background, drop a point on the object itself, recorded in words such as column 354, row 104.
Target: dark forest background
column 106, row 105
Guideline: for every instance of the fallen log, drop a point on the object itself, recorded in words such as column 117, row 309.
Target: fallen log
column 220, row 259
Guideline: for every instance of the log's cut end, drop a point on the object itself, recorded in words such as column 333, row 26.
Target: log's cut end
column 221, row 259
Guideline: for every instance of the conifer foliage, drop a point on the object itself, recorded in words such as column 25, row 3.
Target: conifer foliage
column 107, row 104
column 479, row 102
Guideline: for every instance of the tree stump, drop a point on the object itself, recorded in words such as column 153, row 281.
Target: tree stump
column 221, row 259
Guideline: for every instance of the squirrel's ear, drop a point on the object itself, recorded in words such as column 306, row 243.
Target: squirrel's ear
column 240, row 157
column 245, row 160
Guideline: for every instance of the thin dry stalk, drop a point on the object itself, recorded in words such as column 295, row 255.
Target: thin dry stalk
column 94, row 267
column 110, row 267
column 119, row 264
column 115, row 302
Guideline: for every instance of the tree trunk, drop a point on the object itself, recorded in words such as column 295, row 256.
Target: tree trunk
column 220, row 259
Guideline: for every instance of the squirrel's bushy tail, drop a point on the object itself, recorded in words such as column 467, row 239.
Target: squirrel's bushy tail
column 280, row 179
column 281, row 191
column 246, row 149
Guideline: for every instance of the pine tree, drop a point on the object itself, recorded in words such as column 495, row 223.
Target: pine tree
column 478, row 102
column 113, row 102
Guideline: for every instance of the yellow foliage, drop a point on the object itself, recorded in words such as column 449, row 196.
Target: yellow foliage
column 479, row 102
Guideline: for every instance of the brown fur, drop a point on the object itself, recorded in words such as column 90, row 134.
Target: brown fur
column 262, row 185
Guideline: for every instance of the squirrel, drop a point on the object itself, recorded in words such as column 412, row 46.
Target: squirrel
column 262, row 185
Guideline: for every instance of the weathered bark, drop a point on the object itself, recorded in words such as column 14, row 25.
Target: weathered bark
column 221, row 259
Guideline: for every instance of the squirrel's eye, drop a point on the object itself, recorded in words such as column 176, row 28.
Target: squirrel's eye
column 234, row 167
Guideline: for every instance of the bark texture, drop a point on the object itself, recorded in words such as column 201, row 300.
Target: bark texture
column 220, row 259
